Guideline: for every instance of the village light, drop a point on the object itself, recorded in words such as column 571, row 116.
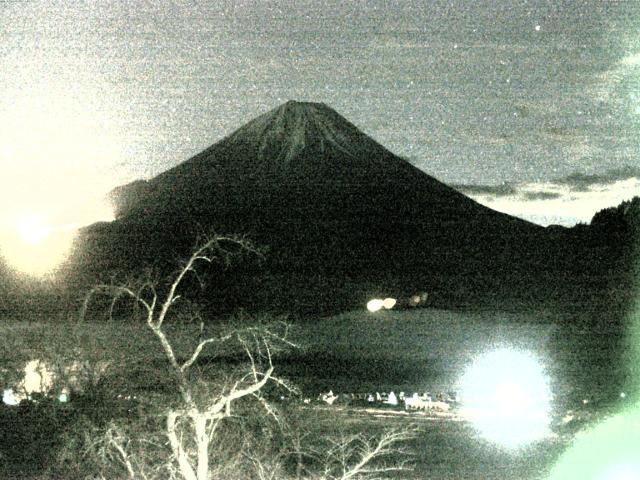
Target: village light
column 505, row 394
column 375, row 305
column 9, row 397
column 389, row 303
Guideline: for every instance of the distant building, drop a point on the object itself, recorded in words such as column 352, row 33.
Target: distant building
column 392, row 399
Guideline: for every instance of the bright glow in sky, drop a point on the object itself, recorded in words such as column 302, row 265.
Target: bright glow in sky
column 33, row 229
column 622, row 471
column 59, row 139
column 33, row 247
column 36, row 243
column 505, row 394
column 56, row 155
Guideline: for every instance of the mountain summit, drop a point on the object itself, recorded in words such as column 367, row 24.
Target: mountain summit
column 296, row 143
column 329, row 202
column 307, row 151
column 299, row 129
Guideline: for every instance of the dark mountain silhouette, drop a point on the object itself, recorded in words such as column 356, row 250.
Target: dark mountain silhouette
column 126, row 197
column 342, row 217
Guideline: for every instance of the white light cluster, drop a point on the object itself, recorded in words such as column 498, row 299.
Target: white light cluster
column 377, row 304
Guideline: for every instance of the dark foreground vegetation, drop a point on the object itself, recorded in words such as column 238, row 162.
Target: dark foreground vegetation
column 160, row 389
column 178, row 399
column 123, row 408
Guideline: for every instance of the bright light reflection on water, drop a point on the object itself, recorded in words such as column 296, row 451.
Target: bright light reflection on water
column 506, row 395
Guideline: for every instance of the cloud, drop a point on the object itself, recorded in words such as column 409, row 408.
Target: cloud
column 582, row 182
column 564, row 201
column 560, row 133
column 631, row 60
column 540, row 195
column 618, row 84
column 502, row 190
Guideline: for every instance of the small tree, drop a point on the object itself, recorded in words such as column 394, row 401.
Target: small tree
column 190, row 425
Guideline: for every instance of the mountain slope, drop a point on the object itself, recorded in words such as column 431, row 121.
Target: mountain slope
column 329, row 202
column 301, row 147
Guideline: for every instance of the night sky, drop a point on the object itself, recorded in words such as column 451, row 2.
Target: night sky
column 531, row 107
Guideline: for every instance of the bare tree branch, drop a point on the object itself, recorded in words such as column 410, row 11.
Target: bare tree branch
column 115, row 291
column 178, row 451
column 114, row 439
column 356, row 456
column 198, row 350
column 195, row 419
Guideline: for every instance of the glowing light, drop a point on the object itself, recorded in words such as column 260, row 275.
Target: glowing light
column 375, row 305
column 9, row 397
column 506, row 395
column 38, row 377
column 418, row 298
column 64, row 395
column 389, row 303
column 37, row 244
column 608, row 451
column 33, row 229
column 32, row 246
column 57, row 153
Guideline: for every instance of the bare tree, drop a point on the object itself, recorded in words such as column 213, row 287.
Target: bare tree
column 191, row 425
column 349, row 457
column 366, row 458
